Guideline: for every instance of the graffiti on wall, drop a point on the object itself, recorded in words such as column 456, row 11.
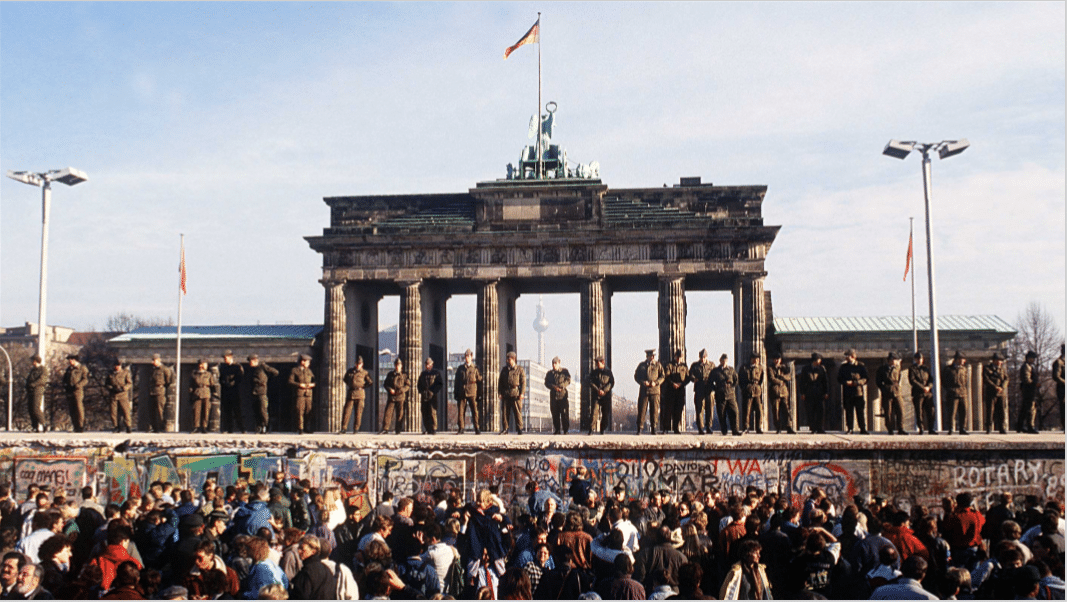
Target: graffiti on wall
column 411, row 477
column 58, row 473
column 840, row 480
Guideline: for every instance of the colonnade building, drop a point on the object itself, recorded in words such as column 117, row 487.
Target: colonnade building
column 506, row 238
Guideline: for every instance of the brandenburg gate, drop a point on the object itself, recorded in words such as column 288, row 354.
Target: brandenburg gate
column 505, row 238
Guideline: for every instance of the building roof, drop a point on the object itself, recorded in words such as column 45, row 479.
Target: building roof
column 871, row 324
column 276, row 331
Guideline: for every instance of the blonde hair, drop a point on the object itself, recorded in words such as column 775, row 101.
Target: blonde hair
column 274, row 591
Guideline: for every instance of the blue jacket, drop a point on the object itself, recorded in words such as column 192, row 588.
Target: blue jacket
column 261, row 575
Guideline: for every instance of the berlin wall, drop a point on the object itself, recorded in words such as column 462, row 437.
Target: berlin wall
column 906, row 477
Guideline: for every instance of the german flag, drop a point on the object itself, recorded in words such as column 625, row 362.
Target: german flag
column 531, row 37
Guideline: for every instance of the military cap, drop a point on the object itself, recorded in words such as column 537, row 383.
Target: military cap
column 816, row 356
column 117, row 362
column 174, row 592
column 850, row 353
column 893, row 356
column 679, row 353
column 650, row 352
column 777, row 355
column 959, row 355
column 723, row 356
column 202, row 360
column 619, row 487
column 192, row 521
column 468, row 353
column 556, row 360
column 996, row 357
column 305, row 357
column 72, row 356
column 599, row 358
column 217, row 515
column 35, row 358
column 398, row 360
column 511, row 355
column 918, row 355
column 703, row 353
column 155, row 356
column 228, row 353
column 1031, row 354
column 254, row 356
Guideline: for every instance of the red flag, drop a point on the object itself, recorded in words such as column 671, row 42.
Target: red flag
column 907, row 263
column 531, row 37
column 181, row 270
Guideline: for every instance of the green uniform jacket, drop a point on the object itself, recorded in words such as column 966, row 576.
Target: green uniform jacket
column 778, row 380
column 76, row 377
column 37, row 379
column 956, row 380
column 358, row 381
column 399, row 382
column 467, row 379
column 429, row 385
column 919, row 377
column 201, row 384
column 651, row 371
column 725, row 380
column 512, row 382
column 601, row 380
column 260, row 375
column 301, row 376
column 888, row 380
column 752, row 380
column 700, row 376
column 1028, row 378
column 676, row 374
column 119, row 382
column 160, row 380
column 994, row 377
column 557, row 378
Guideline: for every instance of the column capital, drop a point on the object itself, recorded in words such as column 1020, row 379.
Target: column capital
column 409, row 283
column 331, row 282
column 671, row 277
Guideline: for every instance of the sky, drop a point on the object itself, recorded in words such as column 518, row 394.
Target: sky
column 229, row 123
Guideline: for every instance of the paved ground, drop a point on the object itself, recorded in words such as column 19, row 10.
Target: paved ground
column 470, row 442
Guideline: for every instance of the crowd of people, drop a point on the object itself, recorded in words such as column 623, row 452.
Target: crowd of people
column 285, row 539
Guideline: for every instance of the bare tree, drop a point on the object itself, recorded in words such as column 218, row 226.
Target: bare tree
column 1037, row 332
column 127, row 322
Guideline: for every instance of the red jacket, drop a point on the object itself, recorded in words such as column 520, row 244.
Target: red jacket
column 905, row 541
column 110, row 560
column 963, row 528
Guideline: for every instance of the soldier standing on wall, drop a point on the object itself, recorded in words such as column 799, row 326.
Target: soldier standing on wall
column 36, row 384
column 852, row 376
column 160, row 381
column 397, row 385
column 511, row 388
column 995, row 383
column 230, row 376
column 778, row 392
column 466, row 391
column 74, row 381
column 357, row 381
column 1028, row 387
column 1057, row 377
column 724, row 378
column 118, row 387
column 429, row 387
column 201, row 383
column 752, row 385
column 676, row 378
column 302, row 381
column 556, row 381
column 260, row 374
column 703, row 391
column 649, row 375
column 814, row 387
column 955, row 390
column 922, row 396
column 888, row 381
column 601, row 382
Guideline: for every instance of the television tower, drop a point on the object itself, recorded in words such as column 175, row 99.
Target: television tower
column 540, row 324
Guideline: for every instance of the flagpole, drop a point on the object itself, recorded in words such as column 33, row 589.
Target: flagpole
column 540, row 161
column 914, row 329
column 173, row 426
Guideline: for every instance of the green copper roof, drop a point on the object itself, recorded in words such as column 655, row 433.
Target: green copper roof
column 890, row 324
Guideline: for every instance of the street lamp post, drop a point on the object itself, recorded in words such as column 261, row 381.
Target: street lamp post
column 945, row 149
column 10, row 389
column 43, row 180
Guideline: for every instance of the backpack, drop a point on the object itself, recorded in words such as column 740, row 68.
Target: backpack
column 454, row 578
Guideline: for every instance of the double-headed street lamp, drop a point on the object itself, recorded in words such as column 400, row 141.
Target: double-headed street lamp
column 945, row 149
column 70, row 177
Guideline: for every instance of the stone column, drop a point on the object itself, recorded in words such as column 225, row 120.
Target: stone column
column 488, row 354
column 361, row 309
column 594, row 305
column 793, row 406
column 435, row 344
column 332, row 369
column 750, row 319
column 409, row 343
column 976, row 409
column 672, row 312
